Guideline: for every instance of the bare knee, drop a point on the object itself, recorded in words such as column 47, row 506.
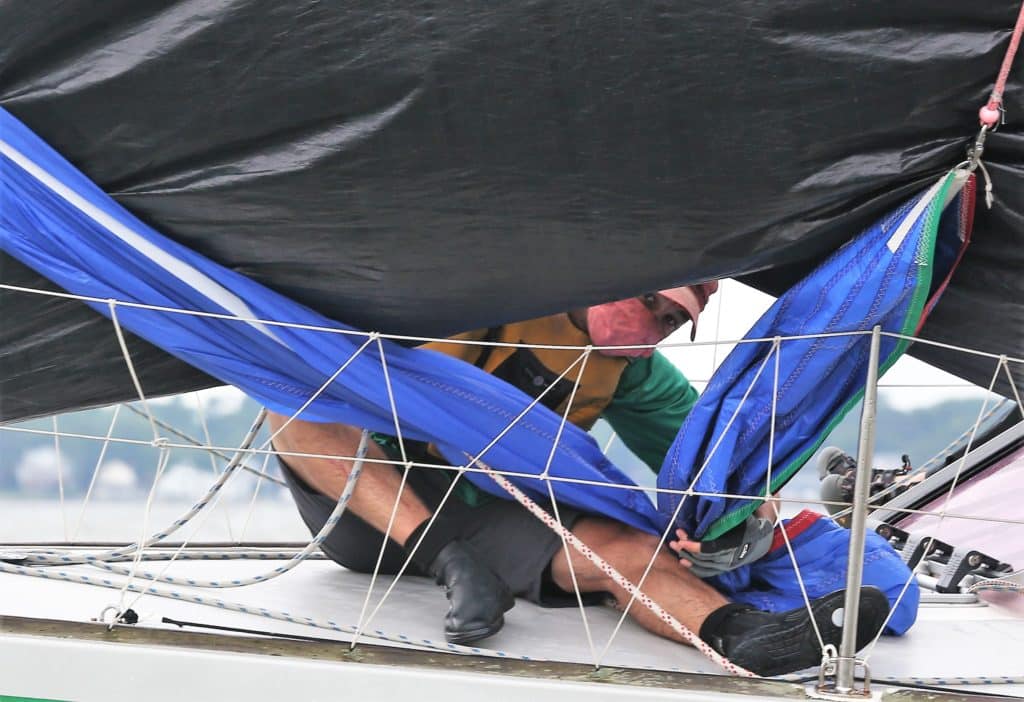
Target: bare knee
column 626, row 549
column 321, row 454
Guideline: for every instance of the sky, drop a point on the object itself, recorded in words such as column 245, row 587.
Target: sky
column 734, row 309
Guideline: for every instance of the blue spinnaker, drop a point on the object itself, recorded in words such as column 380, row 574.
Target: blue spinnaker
column 889, row 276
column 58, row 222
column 816, row 541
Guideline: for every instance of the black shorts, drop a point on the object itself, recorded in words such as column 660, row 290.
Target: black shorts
column 516, row 545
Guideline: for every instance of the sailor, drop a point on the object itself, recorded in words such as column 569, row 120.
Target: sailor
column 484, row 551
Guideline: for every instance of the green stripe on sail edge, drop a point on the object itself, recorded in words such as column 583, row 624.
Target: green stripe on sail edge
column 929, row 234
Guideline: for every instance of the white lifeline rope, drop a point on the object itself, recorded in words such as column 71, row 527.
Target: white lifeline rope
column 608, row 444
column 616, row 576
column 73, row 577
column 825, row 649
column 213, row 459
column 65, row 576
column 137, row 559
column 112, row 304
column 718, row 327
column 96, row 472
column 60, row 477
column 950, row 347
column 312, row 398
column 679, row 507
column 421, row 339
column 252, row 503
column 325, row 530
column 467, row 342
column 66, row 559
column 327, row 624
column 1004, row 362
column 159, row 442
column 509, row 473
column 197, row 553
column 218, row 452
column 407, row 338
column 545, row 474
column 458, row 475
column 165, row 456
column 407, row 467
column 637, row 488
column 941, row 515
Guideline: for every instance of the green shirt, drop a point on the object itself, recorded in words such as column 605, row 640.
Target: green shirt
column 650, row 404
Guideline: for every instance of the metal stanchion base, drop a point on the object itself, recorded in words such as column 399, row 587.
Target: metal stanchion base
column 827, row 686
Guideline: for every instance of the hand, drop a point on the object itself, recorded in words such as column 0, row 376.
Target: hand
column 737, row 547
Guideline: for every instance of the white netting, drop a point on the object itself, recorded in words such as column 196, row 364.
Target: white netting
column 252, row 459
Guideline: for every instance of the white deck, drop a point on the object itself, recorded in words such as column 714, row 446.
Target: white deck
column 949, row 641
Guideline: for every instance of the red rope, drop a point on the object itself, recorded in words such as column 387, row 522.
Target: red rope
column 992, row 110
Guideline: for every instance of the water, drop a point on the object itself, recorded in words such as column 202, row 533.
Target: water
column 41, row 519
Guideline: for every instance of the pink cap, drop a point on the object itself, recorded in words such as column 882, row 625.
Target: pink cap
column 693, row 299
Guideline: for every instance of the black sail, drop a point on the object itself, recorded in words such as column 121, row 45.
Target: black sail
column 429, row 167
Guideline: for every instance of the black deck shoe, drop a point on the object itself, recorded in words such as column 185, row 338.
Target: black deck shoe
column 478, row 598
column 782, row 642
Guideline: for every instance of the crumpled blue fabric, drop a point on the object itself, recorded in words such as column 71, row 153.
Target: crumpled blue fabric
column 889, row 276
column 820, row 546
column 55, row 220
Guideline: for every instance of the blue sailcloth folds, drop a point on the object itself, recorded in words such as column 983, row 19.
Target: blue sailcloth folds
column 281, row 353
column 890, row 276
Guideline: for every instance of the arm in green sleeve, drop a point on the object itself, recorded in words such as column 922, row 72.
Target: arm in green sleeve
column 651, row 402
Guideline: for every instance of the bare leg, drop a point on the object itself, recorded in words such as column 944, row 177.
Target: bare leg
column 683, row 595
column 478, row 598
column 765, row 643
column 377, row 489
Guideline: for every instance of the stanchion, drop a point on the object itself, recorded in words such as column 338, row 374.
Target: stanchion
column 845, row 664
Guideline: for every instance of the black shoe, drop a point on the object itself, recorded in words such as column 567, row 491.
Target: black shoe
column 775, row 643
column 478, row 598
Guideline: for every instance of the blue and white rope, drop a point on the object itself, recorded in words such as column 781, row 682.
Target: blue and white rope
column 191, row 554
column 229, row 470
column 997, row 585
column 75, row 577
column 311, row 547
column 947, row 680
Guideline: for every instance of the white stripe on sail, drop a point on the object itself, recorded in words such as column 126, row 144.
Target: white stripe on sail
column 199, row 281
column 908, row 221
